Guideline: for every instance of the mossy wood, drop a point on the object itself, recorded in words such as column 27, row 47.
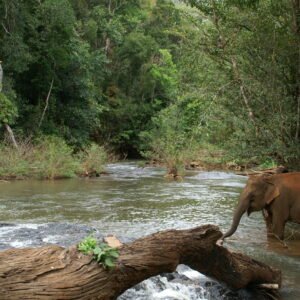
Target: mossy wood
column 53, row 272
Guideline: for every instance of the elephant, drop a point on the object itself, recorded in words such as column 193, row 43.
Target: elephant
column 278, row 196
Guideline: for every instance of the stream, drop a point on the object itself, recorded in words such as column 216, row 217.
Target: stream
column 131, row 202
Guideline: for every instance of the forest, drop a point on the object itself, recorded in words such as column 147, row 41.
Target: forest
column 83, row 81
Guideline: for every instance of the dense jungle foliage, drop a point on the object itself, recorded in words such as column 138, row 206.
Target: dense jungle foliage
column 170, row 80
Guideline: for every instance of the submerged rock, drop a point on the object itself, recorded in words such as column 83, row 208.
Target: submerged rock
column 183, row 284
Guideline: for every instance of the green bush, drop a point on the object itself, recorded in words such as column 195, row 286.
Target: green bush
column 93, row 159
column 49, row 158
column 268, row 164
column 54, row 159
column 168, row 141
column 14, row 163
column 8, row 111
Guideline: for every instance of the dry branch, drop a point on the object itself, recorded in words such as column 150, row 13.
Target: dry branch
column 53, row 272
column 46, row 103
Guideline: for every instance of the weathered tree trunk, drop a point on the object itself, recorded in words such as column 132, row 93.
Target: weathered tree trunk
column 46, row 103
column 1, row 76
column 246, row 100
column 11, row 136
column 53, row 272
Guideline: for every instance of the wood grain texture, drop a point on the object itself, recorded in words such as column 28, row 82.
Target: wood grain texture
column 53, row 272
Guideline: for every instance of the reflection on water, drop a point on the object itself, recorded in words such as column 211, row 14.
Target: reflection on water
column 132, row 202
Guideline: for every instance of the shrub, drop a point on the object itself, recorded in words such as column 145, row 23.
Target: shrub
column 8, row 111
column 93, row 159
column 14, row 163
column 54, row 159
column 49, row 158
column 268, row 164
column 168, row 141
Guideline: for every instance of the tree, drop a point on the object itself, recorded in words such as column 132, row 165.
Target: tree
column 251, row 45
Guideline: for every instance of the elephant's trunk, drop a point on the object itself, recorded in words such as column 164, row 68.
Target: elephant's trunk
column 240, row 210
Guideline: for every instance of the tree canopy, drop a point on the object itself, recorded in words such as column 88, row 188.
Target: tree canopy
column 164, row 79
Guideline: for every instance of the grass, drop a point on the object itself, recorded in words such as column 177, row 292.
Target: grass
column 49, row 158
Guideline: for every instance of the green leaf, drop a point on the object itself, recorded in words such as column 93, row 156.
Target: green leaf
column 109, row 263
column 114, row 254
column 97, row 250
column 99, row 256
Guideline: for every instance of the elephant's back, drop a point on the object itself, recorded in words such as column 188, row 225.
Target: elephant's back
column 289, row 180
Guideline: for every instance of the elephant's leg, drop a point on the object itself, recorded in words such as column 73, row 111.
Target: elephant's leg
column 268, row 219
column 278, row 231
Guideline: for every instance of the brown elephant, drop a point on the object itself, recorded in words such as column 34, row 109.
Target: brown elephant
column 277, row 195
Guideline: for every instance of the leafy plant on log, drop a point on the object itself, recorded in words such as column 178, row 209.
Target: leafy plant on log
column 102, row 252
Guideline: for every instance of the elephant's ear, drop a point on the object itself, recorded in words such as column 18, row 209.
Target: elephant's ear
column 272, row 191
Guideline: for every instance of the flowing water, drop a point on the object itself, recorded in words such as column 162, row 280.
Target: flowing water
column 131, row 202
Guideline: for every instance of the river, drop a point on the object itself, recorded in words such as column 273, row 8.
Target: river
column 131, row 202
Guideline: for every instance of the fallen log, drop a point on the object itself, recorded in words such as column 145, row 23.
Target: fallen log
column 53, row 272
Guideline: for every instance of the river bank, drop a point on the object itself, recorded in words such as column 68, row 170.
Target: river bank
column 51, row 158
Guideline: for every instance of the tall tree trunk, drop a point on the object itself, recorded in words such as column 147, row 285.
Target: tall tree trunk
column 246, row 101
column 53, row 272
column 222, row 43
column 111, row 12
column 46, row 103
column 1, row 76
column 296, row 31
column 11, row 136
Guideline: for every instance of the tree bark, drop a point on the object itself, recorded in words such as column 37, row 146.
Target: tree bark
column 46, row 103
column 11, row 136
column 1, row 76
column 243, row 93
column 53, row 272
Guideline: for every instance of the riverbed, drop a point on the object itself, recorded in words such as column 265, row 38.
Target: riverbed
column 131, row 202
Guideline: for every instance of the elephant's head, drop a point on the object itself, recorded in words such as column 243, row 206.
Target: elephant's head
column 257, row 194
